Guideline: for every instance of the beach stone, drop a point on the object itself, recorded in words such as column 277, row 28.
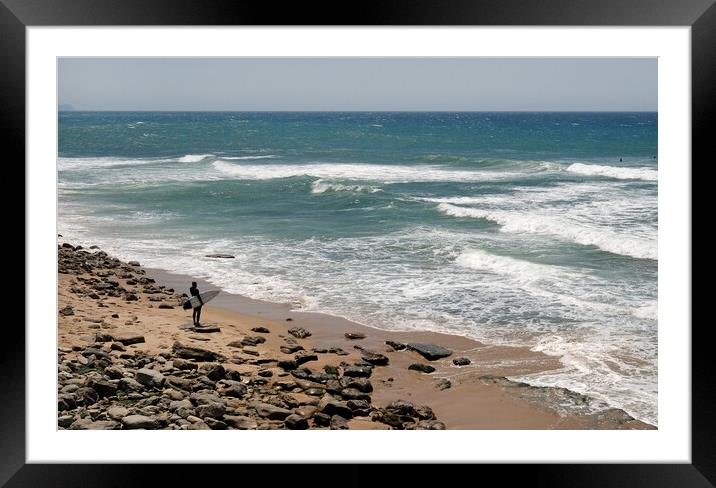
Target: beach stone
column 133, row 263
column 353, row 394
column 150, row 378
column 359, row 407
column 128, row 340
column 331, row 369
column 215, row 424
column 374, row 358
column 117, row 412
column 354, row 335
column 213, row 410
column 130, row 384
column 213, row 371
column 360, row 384
column 241, row 422
column 184, row 365
column 117, row 346
column 339, row 423
column 338, row 351
column 269, row 411
column 104, row 388
column 89, row 424
column 252, row 341
column 431, row 352
column 303, row 357
column 140, row 422
column 357, row 371
column 86, row 396
column 397, row 346
column 103, row 337
column 196, row 353
column 331, row 406
column 220, row 256
column 288, row 365
column 165, row 306
column 131, row 297
column 261, row 330
column 180, row 383
column 98, row 353
column 443, row 384
column 461, row 361
column 235, row 344
column 266, row 373
column 423, row 368
column 291, row 348
column 296, row 422
column 66, row 401
column 67, row 311
column 299, row 332
column 321, row 419
column 432, row 425
column 65, row 420
column 232, row 388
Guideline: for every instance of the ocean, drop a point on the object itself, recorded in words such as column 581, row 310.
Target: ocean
column 523, row 228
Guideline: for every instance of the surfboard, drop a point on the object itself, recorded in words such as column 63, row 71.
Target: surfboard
column 205, row 297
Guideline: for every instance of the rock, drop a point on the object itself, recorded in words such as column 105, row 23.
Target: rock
column 360, row 384
column 115, row 315
column 117, row 412
column 432, row 425
column 209, row 329
column 252, row 341
column 131, row 297
column 150, row 378
column 96, row 352
column 261, row 330
column 181, row 383
column 215, row 424
column 213, row 371
column 213, row 410
column 89, row 424
column 103, row 388
column 357, row 371
column 374, row 358
column 354, row 335
column 331, row 406
column 338, row 351
column 86, row 396
column 338, row 423
column 431, row 352
column 116, row 346
column 241, row 422
column 196, row 353
column 266, row 373
column 330, row 369
column 443, row 384
column 129, row 384
column 65, row 420
column 397, row 346
column 461, row 361
column 321, row 419
column 296, row 422
column 303, row 358
column 184, row 365
column 133, row 263
column 299, row 332
column 423, row 368
column 424, row 413
column 232, row 388
column 102, row 337
column 287, row 365
column 140, row 422
column 67, row 311
column 269, row 411
column 220, row 256
column 353, row 394
column 114, row 373
column 128, row 340
column 291, row 348
column 66, row 402
column 165, row 306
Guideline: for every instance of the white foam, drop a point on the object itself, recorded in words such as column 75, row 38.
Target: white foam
column 345, row 171
column 321, row 186
column 649, row 312
column 524, row 270
column 266, row 156
column 618, row 172
column 194, row 158
column 536, row 223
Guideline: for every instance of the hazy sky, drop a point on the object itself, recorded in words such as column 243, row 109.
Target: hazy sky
column 371, row 84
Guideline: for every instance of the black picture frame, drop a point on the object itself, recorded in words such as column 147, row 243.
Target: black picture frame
column 16, row 15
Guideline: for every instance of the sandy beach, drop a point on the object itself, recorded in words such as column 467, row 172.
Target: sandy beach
column 129, row 357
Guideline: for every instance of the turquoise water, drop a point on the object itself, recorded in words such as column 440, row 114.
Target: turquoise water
column 520, row 228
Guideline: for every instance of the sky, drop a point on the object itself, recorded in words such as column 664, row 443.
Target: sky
column 358, row 84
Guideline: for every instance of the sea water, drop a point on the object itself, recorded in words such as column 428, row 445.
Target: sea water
column 535, row 229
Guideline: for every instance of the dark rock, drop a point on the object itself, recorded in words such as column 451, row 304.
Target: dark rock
column 184, row 365
column 261, row 330
column 86, row 396
column 220, row 256
column 330, row 369
column 443, row 384
column 102, row 337
column 338, row 423
column 431, row 352
column 115, row 315
column 150, row 378
column 140, row 422
column 89, row 424
column 357, row 371
column 304, row 358
column 397, row 346
column 359, row 407
column 114, row 373
column 165, row 306
column 128, row 340
column 238, row 344
column 296, row 422
column 67, row 311
column 232, row 388
column 66, row 401
column 134, row 263
column 252, row 341
column 265, row 373
column 215, row 424
column 423, row 368
column 206, row 329
column 181, row 383
column 321, row 419
column 213, row 371
column 353, row 394
column 299, row 332
column 360, row 384
column 374, row 358
column 213, row 410
column 196, row 353
column 104, row 388
column 338, row 351
column 129, row 384
column 461, row 361
column 116, row 346
column 291, row 348
column 287, row 365
column 331, row 406
column 131, row 297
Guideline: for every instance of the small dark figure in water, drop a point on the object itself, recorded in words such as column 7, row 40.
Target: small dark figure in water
column 620, row 160
column 196, row 315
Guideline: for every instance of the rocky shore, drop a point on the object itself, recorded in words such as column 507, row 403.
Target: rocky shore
column 130, row 358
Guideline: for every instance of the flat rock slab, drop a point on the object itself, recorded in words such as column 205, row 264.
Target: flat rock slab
column 354, row 335
column 127, row 339
column 206, row 330
column 195, row 353
column 423, row 368
column 269, row 411
column 431, row 352
column 140, row 422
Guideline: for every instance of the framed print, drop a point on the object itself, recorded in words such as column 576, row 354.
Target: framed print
column 473, row 218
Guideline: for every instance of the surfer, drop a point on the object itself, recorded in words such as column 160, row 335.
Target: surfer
column 197, row 310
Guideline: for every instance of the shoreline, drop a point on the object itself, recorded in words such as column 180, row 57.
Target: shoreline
column 478, row 396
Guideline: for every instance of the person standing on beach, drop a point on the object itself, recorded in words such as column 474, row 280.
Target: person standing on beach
column 196, row 315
